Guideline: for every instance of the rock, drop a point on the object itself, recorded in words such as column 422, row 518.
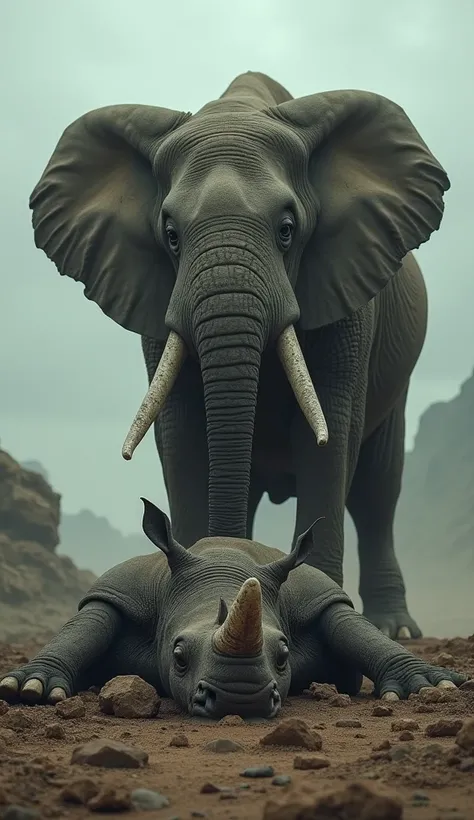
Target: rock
column 382, row 711
column 405, row 736
column 293, row 732
column 3, row 707
column 358, row 800
column 321, row 691
column 55, row 730
column 385, row 744
column 281, row 780
column 341, row 701
column 223, row 746
column 424, row 709
column 467, row 686
column 17, row 719
column 405, row 724
column 128, row 696
column 111, row 754
column 231, row 720
column 465, row 736
column 444, row 659
column 20, row 813
column 258, row 771
column 71, row 708
column 110, row 799
column 79, row 791
column 447, row 727
column 420, row 799
column 348, row 724
column 467, row 765
column 210, row 788
column 148, row 800
column 180, row 741
column 314, row 762
column 6, row 736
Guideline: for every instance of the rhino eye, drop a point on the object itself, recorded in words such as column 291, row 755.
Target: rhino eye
column 180, row 657
column 282, row 656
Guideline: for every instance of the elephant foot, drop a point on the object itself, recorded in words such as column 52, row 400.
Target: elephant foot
column 396, row 624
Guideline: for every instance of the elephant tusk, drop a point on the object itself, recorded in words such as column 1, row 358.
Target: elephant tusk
column 160, row 387
column 293, row 362
column 241, row 634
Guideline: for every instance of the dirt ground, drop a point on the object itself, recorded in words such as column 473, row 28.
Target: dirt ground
column 426, row 773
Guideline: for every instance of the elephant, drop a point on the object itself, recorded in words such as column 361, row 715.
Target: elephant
column 262, row 249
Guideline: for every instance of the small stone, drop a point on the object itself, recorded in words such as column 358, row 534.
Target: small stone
column 399, row 753
column 231, row 720
column 465, row 736
column 319, row 726
column 3, row 707
column 79, row 791
column 430, row 695
column 314, row 762
column 420, row 799
column 223, row 746
column 382, row 711
column 468, row 685
column 348, row 724
column 424, row 709
column 443, row 728
column 70, row 708
column 210, row 788
column 55, row 730
column 111, row 754
column 293, row 732
column 129, row 696
column 405, row 724
column 281, row 780
column 341, row 701
column 20, row 813
column 466, row 765
column 148, row 800
column 110, row 799
column 383, row 746
column 180, row 741
column 406, row 735
column 321, row 691
column 444, row 659
column 258, row 771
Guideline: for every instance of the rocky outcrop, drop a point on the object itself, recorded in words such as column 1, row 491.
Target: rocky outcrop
column 39, row 589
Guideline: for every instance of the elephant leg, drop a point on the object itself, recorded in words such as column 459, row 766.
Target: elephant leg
column 255, row 496
column 372, row 502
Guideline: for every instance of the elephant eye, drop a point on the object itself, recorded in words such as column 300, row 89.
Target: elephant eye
column 173, row 238
column 285, row 232
column 282, row 656
column 180, row 657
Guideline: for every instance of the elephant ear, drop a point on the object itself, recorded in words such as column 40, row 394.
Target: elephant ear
column 375, row 191
column 93, row 212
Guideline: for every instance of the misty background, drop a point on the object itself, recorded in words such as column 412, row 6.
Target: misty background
column 70, row 379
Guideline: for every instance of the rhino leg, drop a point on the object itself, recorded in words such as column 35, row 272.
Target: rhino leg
column 395, row 672
column 57, row 670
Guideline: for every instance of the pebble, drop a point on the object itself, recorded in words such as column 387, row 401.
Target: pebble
column 405, row 724
column 258, row 771
column 465, row 736
column 348, row 724
column 129, row 696
column 424, row 709
column 20, row 813
column 110, row 799
column 314, row 763
column 79, row 791
column 70, row 708
column 180, row 741
column 321, row 691
column 231, row 720
column 223, row 746
column 293, row 732
column 55, row 730
column 281, row 780
column 382, row 711
column 383, row 746
column 148, row 800
column 443, row 728
column 341, row 701
column 210, row 788
column 406, row 735
column 420, row 799
column 468, row 685
column 111, row 754
column 3, row 707
column 444, row 659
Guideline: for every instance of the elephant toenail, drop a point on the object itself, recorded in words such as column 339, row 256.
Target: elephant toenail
column 390, row 696
column 446, row 684
column 404, row 633
column 33, row 687
column 56, row 695
column 10, row 683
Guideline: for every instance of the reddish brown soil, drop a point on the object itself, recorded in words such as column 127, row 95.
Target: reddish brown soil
column 33, row 768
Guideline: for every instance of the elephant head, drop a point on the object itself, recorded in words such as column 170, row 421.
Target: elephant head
column 217, row 232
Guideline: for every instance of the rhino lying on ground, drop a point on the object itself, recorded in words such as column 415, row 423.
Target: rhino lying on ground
column 166, row 619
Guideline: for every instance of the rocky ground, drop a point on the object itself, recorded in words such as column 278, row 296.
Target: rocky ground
column 337, row 758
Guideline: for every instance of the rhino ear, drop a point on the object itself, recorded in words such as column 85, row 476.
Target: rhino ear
column 298, row 555
column 95, row 212
column 373, row 191
column 157, row 527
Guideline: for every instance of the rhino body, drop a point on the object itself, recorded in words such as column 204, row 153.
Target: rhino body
column 229, row 626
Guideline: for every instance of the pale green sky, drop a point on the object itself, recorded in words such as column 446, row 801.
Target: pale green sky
column 70, row 379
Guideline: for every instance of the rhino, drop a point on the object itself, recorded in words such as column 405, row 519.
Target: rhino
column 228, row 626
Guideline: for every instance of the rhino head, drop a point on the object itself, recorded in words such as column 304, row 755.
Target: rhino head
column 223, row 637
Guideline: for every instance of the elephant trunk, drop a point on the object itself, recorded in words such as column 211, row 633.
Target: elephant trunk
column 229, row 343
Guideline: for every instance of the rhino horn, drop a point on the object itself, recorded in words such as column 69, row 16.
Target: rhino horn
column 241, row 633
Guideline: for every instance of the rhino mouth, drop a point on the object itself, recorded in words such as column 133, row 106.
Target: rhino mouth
column 212, row 701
